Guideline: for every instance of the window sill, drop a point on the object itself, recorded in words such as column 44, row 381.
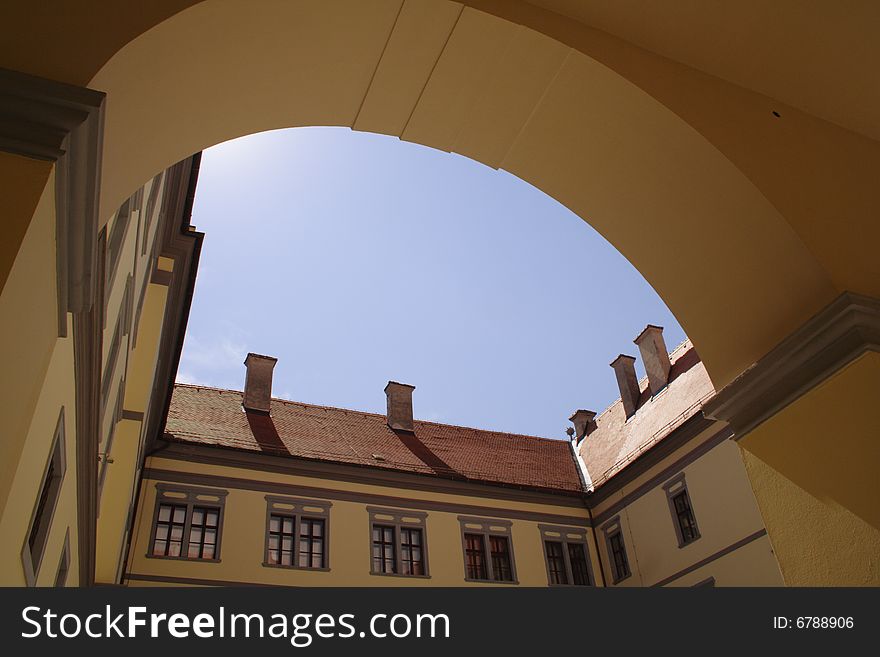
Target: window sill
column 682, row 544
column 569, row 586
column 400, row 575
column 266, row 564
column 491, row 581
column 196, row 559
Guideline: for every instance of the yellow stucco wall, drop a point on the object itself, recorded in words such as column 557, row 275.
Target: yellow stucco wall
column 814, row 466
column 22, row 181
column 41, row 378
column 28, row 333
column 57, row 392
column 244, row 527
column 726, row 513
column 131, row 383
column 120, row 483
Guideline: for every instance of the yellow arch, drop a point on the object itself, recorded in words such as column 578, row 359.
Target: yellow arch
column 461, row 80
column 745, row 194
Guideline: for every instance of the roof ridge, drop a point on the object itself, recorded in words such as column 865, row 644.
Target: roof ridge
column 368, row 413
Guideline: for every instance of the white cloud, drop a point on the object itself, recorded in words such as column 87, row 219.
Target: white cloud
column 187, row 377
column 211, row 361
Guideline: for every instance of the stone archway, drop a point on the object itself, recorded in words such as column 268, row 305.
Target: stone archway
column 747, row 214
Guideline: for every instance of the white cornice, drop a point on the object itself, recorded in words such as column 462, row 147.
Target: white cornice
column 61, row 123
column 844, row 330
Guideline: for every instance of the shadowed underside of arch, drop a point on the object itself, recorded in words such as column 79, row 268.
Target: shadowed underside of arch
column 457, row 79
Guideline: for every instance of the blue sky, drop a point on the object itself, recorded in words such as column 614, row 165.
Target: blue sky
column 357, row 258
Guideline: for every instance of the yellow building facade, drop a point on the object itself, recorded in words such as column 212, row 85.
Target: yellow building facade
column 234, row 490
column 755, row 217
column 68, row 502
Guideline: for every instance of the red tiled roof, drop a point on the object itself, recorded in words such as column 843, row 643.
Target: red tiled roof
column 614, row 443
column 209, row 416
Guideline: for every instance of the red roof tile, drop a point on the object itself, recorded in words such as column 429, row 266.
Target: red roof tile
column 210, row 416
column 614, row 443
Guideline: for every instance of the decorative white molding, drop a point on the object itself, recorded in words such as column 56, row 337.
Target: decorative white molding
column 584, row 474
column 64, row 124
column 844, row 330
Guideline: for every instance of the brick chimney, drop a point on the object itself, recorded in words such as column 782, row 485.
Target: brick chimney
column 581, row 420
column 654, row 356
column 258, row 382
column 400, row 410
column 625, row 371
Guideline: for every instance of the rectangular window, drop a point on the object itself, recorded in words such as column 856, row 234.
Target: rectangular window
column 203, row 532
column 577, row 557
column 170, row 525
column 311, row 543
column 384, row 552
column 398, row 542
column 565, row 550
column 686, row 523
column 500, row 550
column 187, row 523
column 64, row 564
column 46, row 502
column 411, row 562
column 682, row 511
column 616, row 549
column 556, row 562
column 115, row 240
column 618, row 555
column 151, row 205
column 487, row 545
column 281, row 540
column 296, row 533
column 475, row 557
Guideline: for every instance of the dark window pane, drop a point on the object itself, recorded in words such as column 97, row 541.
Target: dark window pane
column 685, row 515
column 39, row 522
column 311, row 543
column 501, row 568
column 169, row 530
column 411, row 552
column 577, row 557
column 280, row 540
column 618, row 554
column 384, row 557
column 556, row 562
column 475, row 557
column 202, row 533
